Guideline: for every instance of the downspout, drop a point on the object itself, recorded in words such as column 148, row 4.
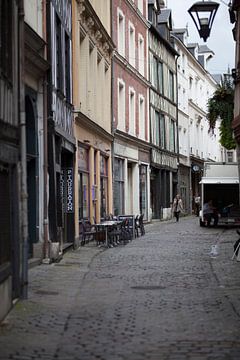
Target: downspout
column 112, row 103
column 23, row 159
column 178, row 160
column 46, row 250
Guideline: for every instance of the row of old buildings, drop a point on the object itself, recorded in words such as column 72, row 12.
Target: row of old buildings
column 102, row 111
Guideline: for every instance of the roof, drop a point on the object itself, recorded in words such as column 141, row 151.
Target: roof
column 164, row 16
column 217, row 77
column 192, row 45
column 204, row 49
column 179, row 31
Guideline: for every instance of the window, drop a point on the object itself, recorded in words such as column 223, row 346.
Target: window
column 157, row 74
column 172, row 136
column 229, row 156
column 118, row 196
column 6, row 26
column 160, row 77
column 83, row 182
column 67, row 68
column 141, row 117
column 132, row 111
column 132, row 45
column 157, row 123
column 58, row 54
column 154, row 77
column 140, row 6
column 141, row 54
column 143, row 189
column 103, row 186
column 121, row 33
column 171, row 85
column 121, row 105
column 160, row 130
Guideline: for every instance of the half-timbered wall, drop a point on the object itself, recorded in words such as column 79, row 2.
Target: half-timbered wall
column 161, row 102
column 8, row 58
column 61, row 53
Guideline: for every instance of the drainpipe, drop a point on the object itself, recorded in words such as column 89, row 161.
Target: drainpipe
column 23, row 160
column 178, row 160
column 46, row 250
column 112, row 104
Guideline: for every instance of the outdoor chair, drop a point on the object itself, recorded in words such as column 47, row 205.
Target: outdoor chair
column 89, row 232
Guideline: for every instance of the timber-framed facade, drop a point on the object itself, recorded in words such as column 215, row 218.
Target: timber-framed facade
column 163, row 114
column 61, row 142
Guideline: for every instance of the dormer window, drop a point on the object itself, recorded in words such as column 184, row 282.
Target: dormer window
column 152, row 14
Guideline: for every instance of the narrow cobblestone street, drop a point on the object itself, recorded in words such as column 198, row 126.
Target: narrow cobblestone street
column 162, row 296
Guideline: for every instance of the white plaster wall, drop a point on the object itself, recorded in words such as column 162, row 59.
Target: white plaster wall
column 33, row 15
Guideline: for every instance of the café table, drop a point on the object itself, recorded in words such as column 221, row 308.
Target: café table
column 106, row 225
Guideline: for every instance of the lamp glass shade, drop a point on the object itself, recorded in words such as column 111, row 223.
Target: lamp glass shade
column 203, row 14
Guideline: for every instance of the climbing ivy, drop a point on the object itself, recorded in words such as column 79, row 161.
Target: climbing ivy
column 220, row 105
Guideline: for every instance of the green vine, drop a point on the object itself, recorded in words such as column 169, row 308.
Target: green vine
column 220, row 105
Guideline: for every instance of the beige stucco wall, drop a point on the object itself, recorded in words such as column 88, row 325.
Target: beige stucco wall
column 92, row 98
column 102, row 8
column 91, row 77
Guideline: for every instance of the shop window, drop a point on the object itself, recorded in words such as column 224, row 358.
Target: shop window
column 103, row 186
column 118, row 195
column 143, row 189
column 83, row 182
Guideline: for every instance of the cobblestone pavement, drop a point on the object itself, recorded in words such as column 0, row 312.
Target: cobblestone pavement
column 161, row 296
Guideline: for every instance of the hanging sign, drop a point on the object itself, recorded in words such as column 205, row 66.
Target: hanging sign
column 69, row 190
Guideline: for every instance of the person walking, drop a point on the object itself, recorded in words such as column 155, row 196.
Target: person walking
column 197, row 201
column 177, row 207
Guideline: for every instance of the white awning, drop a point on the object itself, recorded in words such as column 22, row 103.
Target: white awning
column 212, row 180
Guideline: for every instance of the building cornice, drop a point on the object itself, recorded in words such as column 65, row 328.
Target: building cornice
column 196, row 62
column 125, row 64
column 82, row 120
column 130, row 139
column 197, row 108
column 92, row 25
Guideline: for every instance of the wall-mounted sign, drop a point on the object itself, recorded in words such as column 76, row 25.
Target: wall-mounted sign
column 67, row 190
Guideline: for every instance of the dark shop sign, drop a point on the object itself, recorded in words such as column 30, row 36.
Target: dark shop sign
column 67, row 190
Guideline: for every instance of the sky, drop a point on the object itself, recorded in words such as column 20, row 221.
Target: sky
column 221, row 39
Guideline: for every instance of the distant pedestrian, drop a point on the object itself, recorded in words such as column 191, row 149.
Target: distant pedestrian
column 177, row 207
column 197, row 201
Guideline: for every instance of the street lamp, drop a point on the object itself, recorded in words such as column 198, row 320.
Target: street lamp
column 203, row 14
